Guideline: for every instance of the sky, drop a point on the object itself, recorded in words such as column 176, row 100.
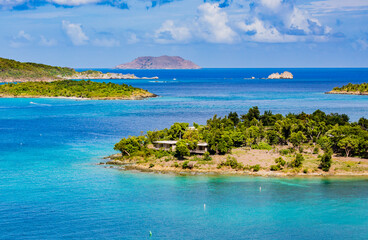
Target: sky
column 211, row 33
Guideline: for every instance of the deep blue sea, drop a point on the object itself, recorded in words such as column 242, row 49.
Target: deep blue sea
column 51, row 187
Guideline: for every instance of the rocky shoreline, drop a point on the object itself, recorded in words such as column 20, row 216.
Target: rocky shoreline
column 142, row 97
column 81, row 76
column 126, row 166
column 263, row 157
column 346, row 93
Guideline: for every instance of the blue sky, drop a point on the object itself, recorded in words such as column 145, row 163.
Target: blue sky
column 217, row 33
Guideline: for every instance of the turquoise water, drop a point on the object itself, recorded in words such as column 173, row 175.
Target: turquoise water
column 50, row 187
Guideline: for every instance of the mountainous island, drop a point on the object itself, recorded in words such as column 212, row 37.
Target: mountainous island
column 14, row 71
column 351, row 89
column 163, row 62
column 252, row 144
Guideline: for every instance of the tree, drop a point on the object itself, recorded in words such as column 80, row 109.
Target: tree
column 181, row 149
column 348, row 144
column 177, row 130
column 298, row 161
column 272, row 137
column 325, row 143
column 128, row 146
column 297, row 138
column 233, row 116
column 326, row 161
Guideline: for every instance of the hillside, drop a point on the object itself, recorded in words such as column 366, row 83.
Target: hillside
column 351, row 89
column 11, row 69
column 14, row 71
column 163, row 62
column 73, row 89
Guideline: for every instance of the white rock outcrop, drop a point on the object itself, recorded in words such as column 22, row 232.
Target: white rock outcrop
column 284, row 75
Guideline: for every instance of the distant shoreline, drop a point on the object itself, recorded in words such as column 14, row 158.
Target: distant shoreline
column 79, row 98
column 346, row 93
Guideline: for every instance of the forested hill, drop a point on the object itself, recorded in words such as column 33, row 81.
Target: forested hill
column 11, row 69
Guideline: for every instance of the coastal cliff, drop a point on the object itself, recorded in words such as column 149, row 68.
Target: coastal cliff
column 284, row 75
column 163, row 62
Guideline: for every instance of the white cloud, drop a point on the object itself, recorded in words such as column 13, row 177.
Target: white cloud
column 47, row 42
column 73, row 2
column 272, row 4
column 75, row 33
column 362, row 44
column 105, row 42
column 21, row 39
column 9, row 4
column 133, row 39
column 285, row 23
column 213, row 24
column 169, row 33
column 23, row 35
column 331, row 6
column 209, row 25
column 258, row 32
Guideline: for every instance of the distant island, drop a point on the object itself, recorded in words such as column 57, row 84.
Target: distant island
column 14, row 71
column 73, row 89
column 284, row 75
column 316, row 144
column 163, row 62
column 351, row 89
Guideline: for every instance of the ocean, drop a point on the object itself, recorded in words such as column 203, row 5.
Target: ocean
column 51, row 187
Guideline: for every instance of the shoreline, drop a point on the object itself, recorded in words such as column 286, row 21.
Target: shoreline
column 197, row 172
column 263, row 157
column 346, row 93
column 79, row 98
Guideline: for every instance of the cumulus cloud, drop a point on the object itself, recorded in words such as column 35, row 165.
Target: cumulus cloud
column 210, row 25
column 105, row 42
column 47, row 42
column 21, row 39
column 213, row 26
column 75, row 33
column 272, row 4
column 285, row 23
column 169, row 33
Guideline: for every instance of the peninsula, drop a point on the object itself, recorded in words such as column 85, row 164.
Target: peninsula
column 73, row 89
column 351, row 89
column 14, row 71
column 270, row 144
column 163, row 62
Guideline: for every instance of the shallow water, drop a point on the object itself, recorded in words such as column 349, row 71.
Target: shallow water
column 50, row 187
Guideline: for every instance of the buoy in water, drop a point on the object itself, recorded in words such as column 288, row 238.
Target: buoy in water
column 204, row 207
column 260, row 189
column 150, row 233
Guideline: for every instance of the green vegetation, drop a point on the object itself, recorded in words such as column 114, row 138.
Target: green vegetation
column 332, row 133
column 326, row 161
column 18, row 70
column 232, row 162
column 361, row 88
column 280, row 163
column 70, row 88
column 297, row 162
